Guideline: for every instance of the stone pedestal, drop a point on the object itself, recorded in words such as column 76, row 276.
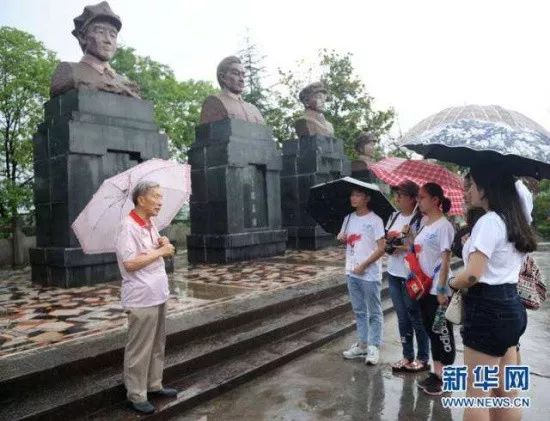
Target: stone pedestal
column 86, row 137
column 235, row 204
column 360, row 171
column 308, row 161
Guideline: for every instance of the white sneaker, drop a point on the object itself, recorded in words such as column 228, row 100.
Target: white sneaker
column 373, row 355
column 355, row 351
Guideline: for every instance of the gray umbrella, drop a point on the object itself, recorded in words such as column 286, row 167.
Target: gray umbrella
column 490, row 134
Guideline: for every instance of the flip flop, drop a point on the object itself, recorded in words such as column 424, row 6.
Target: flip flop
column 416, row 366
column 400, row 365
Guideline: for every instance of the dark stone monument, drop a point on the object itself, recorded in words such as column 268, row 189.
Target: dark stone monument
column 87, row 136
column 235, row 176
column 315, row 157
column 95, row 126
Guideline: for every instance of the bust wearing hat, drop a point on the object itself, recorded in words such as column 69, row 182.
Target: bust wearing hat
column 229, row 102
column 313, row 122
column 96, row 30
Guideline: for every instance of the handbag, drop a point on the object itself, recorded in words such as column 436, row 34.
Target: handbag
column 531, row 286
column 455, row 309
column 418, row 284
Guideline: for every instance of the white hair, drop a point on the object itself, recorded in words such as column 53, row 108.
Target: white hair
column 142, row 188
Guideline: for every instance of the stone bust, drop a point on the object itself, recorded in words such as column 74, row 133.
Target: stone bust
column 313, row 122
column 365, row 147
column 229, row 103
column 96, row 30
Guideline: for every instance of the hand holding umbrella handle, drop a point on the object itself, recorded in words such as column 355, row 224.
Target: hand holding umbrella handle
column 163, row 240
column 167, row 250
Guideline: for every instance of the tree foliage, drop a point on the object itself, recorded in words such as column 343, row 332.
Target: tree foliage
column 177, row 103
column 349, row 107
column 26, row 67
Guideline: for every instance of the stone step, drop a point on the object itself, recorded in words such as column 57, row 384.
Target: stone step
column 211, row 381
column 82, row 387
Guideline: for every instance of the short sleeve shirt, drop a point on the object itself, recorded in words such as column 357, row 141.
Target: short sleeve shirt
column 490, row 237
column 430, row 243
column 362, row 234
column 147, row 286
column 396, row 261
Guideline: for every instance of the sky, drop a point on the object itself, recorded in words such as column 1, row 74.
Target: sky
column 416, row 56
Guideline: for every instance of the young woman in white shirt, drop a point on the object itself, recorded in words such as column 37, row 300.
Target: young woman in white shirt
column 409, row 317
column 433, row 248
column 363, row 233
column 494, row 317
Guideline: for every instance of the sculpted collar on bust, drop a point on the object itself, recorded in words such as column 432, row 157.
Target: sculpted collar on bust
column 100, row 66
column 230, row 94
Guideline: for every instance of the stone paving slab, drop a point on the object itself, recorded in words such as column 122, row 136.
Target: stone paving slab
column 34, row 317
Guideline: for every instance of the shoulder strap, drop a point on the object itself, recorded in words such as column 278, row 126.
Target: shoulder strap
column 347, row 222
column 395, row 216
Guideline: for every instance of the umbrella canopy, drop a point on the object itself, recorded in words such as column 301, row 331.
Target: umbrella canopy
column 97, row 224
column 490, row 134
column 394, row 171
column 329, row 203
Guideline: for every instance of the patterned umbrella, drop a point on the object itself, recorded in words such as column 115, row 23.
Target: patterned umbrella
column 490, row 135
column 329, row 203
column 98, row 223
column 394, row 171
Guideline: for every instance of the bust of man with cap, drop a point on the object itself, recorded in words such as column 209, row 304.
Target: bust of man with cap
column 96, row 30
column 229, row 103
column 313, row 122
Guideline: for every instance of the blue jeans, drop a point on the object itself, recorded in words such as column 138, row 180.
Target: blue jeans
column 409, row 320
column 366, row 304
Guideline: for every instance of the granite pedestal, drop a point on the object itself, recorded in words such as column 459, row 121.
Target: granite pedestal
column 236, row 201
column 86, row 137
column 308, row 161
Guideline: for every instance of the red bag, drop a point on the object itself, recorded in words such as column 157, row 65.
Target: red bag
column 418, row 283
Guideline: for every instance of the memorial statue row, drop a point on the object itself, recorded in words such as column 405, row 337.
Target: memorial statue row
column 96, row 30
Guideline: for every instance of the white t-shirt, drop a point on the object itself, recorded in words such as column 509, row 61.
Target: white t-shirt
column 431, row 241
column 396, row 261
column 362, row 233
column 490, row 237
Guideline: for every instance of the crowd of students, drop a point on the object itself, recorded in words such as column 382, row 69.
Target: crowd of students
column 493, row 244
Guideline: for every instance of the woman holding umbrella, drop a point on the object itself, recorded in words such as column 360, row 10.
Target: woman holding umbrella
column 497, row 144
column 494, row 318
column 363, row 232
column 409, row 319
column 432, row 245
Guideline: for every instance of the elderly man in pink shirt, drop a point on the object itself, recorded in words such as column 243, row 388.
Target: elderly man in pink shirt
column 140, row 251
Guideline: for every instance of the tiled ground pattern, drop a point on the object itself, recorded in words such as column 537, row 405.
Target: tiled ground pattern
column 33, row 317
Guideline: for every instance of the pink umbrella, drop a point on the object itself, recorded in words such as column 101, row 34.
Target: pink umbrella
column 394, row 171
column 98, row 223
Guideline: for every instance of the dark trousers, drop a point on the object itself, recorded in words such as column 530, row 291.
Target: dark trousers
column 442, row 344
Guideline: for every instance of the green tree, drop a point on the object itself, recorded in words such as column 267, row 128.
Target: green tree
column 252, row 61
column 541, row 210
column 349, row 106
column 26, row 67
column 177, row 103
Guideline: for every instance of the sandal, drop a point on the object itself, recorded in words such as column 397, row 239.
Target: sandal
column 416, row 366
column 400, row 365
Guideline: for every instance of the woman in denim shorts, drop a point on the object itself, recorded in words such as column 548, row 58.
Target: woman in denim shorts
column 494, row 318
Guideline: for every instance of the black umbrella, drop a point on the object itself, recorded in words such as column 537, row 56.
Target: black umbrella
column 329, row 203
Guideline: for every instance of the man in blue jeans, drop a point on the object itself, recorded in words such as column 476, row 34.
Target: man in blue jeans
column 400, row 227
column 363, row 233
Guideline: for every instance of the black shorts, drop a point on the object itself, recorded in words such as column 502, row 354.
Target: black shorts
column 494, row 318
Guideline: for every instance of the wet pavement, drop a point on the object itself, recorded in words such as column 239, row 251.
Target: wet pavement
column 33, row 317
column 322, row 386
